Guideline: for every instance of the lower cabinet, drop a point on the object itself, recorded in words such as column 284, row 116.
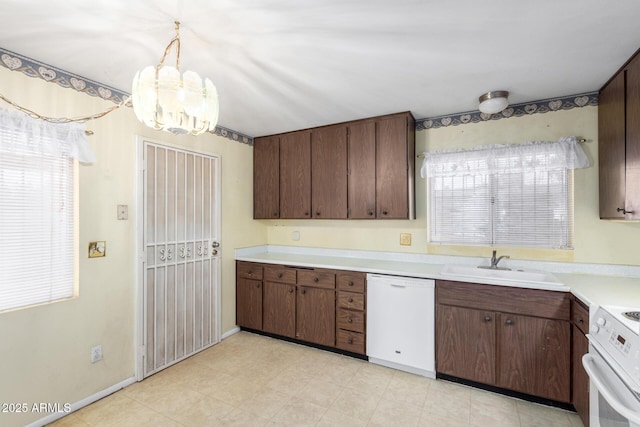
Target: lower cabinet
column 512, row 338
column 580, row 346
column 303, row 303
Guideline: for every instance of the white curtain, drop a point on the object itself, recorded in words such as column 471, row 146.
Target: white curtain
column 565, row 153
column 21, row 134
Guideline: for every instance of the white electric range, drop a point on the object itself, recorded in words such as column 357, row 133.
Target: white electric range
column 613, row 366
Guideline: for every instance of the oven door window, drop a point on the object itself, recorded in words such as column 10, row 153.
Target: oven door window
column 609, row 417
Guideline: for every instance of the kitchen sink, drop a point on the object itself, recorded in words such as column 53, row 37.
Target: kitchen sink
column 523, row 278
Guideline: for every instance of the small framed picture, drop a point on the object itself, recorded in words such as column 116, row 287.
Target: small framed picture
column 97, row 249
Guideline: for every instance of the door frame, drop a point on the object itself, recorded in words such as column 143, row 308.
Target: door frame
column 138, row 335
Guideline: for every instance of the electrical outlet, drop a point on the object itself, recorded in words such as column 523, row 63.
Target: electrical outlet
column 123, row 212
column 405, row 239
column 96, row 353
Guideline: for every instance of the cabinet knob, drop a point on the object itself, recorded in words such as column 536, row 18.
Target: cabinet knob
column 350, row 299
column 250, row 273
column 290, row 290
column 370, row 213
column 317, row 213
column 303, row 291
column 315, row 279
column 257, row 285
column 384, row 212
column 349, row 320
column 306, row 214
column 509, row 322
column 581, row 320
column 487, row 318
column 350, row 341
column 624, row 211
column 275, row 214
column 279, row 275
column 350, row 283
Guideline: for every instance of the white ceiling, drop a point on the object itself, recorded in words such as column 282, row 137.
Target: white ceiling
column 282, row 65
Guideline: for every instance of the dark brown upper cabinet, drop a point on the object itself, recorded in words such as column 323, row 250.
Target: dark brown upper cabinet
column 266, row 177
column 359, row 170
column 619, row 143
column 329, row 172
column 295, row 175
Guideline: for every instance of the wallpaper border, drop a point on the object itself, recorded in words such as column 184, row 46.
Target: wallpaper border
column 32, row 68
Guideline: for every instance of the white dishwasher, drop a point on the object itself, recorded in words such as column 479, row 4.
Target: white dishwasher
column 401, row 323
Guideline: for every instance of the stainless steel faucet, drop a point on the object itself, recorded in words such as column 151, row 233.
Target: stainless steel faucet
column 495, row 261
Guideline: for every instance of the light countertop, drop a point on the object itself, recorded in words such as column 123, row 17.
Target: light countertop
column 619, row 285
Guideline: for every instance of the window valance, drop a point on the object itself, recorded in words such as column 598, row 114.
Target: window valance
column 21, row 134
column 565, row 153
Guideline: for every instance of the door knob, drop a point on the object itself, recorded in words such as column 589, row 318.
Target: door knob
column 215, row 245
column 624, row 211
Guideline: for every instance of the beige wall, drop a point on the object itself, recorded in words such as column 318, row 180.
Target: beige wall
column 596, row 241
column 44, row 351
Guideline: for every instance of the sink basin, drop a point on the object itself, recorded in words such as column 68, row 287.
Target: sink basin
column 502, row 277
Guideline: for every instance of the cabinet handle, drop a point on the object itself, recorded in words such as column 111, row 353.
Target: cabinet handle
column 349, row 320
column 315, row 279
column 350, row 341
column 303, row 291
column 279, row 275
column 487, row 318
column 350, row 283
column 509, row 322
column 624, row 211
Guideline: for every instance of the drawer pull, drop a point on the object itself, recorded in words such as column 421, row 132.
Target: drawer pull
column 580, row 320
column 350, row 320
column 350, row 341
column 350, row 299
column 350, row 283
column 315, row 279
column 279, row 275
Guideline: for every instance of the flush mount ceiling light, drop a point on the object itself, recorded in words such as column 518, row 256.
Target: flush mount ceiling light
column 493, row 102
column 164, row 100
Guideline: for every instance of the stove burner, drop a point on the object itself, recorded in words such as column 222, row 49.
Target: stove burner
column 633, row 315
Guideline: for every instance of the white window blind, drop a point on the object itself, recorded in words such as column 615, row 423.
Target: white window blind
column 515, row 195
column 37, row 208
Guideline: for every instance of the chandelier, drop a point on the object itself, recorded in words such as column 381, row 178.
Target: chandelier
column 164, row 100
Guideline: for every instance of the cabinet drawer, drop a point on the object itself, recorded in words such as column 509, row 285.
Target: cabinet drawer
column 350, row 300
column 351, row 320
column 249, row 270
column 351, row 341
column 580, row 316
column 532, row 302
column 280, row 274
column 317, row 278
column 351, row 281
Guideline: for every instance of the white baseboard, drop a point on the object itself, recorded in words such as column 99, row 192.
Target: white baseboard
column 230, row 332
column 84, row 402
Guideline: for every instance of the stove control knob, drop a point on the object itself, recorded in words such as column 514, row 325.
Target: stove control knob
column 601, row 321
column 594, row 329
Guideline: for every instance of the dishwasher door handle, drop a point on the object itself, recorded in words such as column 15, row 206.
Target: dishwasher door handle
column 397, row 286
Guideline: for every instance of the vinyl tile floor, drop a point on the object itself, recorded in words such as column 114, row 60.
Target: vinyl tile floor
column 251, row 380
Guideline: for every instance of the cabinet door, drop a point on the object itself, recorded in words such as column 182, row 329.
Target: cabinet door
column 611, row 147
column 329, row 172
column 392, row 168
column 295, row 175
column 266, row 177
column 279, row 309
column 580, row 386
column 249, row 303
column 316, row 319
column 362, row 170
column 534, row 356
column 465, row 343
column 632, row 188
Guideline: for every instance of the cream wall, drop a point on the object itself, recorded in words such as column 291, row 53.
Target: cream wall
column 44, row 351
column 596, row 241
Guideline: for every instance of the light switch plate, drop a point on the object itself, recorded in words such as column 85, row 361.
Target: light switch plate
column 405, row 239
column 123, row 212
